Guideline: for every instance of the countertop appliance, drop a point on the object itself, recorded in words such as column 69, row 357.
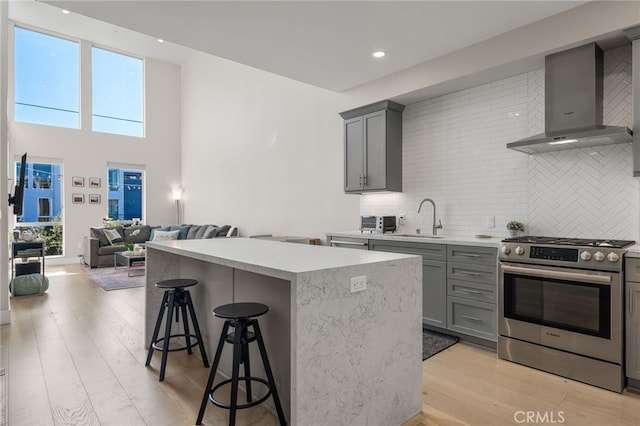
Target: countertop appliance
column 560, row 307
column 377, row 223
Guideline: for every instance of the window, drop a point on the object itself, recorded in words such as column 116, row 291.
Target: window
column 42, row 205
column 47, row 81
column 125, row 201
column 117, row 92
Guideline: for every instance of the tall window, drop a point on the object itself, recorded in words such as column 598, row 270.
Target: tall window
column 47, row 81
column 125, row 200
column 42, row 205
column 117, row 92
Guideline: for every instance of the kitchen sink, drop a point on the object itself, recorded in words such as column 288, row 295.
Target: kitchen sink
column 418, row 236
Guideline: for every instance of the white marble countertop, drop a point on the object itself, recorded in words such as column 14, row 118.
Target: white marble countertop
column 442, row 239
column 273, row 258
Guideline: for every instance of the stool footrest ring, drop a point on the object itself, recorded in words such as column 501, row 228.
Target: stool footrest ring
column 240, row 406
column 157, row 346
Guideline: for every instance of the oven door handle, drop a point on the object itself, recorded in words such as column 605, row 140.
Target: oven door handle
column 572, row 276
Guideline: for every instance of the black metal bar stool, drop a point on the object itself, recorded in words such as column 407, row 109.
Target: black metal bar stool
column 176, row 297
column 241, row 316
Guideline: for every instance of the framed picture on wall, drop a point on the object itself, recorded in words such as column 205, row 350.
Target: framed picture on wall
column 77, row 181
column 77, row 198
column 94, row 182
column 94, row 198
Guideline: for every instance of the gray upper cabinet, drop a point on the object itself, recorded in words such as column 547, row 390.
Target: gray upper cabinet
column 373, row 148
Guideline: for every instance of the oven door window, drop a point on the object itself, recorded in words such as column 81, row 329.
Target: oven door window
column 580, row 307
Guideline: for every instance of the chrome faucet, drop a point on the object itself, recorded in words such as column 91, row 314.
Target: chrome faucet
column 439, row 225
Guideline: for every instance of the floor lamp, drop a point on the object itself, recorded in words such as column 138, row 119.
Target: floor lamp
column 177, row 195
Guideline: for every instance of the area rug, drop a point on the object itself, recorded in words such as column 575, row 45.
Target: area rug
column 114, row 279
column 434, row 342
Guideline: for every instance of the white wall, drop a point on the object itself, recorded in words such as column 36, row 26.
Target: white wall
column 85, row 153
column 262, row 152
column 455, row 152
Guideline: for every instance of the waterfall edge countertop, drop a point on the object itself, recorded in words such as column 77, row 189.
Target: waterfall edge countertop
column 273, row 258
column 340, row 356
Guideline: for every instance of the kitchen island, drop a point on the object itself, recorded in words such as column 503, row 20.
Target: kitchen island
column 339, row 358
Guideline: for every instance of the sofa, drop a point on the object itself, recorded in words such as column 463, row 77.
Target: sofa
column 99, row 247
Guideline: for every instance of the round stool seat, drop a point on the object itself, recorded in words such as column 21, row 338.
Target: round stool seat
column 241, row 310
column 176, row 283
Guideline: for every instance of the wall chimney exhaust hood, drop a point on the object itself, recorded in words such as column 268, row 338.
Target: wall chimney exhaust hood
column 573, row 104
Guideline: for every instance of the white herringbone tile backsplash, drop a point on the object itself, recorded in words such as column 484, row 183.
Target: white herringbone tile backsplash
column 455, row 153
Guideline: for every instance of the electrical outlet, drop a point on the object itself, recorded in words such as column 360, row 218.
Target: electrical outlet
column 358, row 284
column 490, row 221
column 402, row 219
column 79, row 245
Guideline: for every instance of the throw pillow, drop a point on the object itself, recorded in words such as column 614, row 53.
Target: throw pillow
column 223, row 230
column 114, row 237
column 165, row 235
column 154, row 230
column 99, row 234
column 184, row 230
column 201, row 231
column 211, row 232
column 137, row 234
column 193, row 231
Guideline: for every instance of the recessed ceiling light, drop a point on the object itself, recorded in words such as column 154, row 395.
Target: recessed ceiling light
column 379, row 54
column 65, row 11
column 160, row 40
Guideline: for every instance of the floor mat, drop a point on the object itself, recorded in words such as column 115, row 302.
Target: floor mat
column 434, row 342
column 109, row 278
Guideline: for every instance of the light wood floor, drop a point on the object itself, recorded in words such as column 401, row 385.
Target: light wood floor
column 74, row 356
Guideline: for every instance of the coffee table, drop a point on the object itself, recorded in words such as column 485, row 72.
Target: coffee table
column 133, row 260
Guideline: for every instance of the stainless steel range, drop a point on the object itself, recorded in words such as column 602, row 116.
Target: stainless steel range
column 561, row 307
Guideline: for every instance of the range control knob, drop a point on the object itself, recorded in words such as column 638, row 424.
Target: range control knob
column 506, row 250
column 519, row 251
column 613, row 257
column 599, row 256
column 585, row 255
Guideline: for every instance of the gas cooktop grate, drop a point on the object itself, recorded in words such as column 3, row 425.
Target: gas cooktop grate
column 560, row 241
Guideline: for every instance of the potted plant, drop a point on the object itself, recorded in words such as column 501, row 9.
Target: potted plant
column 515, row 227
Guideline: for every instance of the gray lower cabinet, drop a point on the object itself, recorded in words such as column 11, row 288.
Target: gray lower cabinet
column 472, row 285
column 632, row 293
column 434, row 276
column 373, row 148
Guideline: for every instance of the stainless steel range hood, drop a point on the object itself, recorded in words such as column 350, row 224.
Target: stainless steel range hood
column 573, row 104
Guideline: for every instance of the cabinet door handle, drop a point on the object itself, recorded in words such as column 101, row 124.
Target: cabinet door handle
column 467, row 255
column 466, row 290
column 630, row 296
column 474, row 274
column 471, row 318
column 348, row 243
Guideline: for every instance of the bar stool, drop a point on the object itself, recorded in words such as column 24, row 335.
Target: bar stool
column 241, row 316
column 176, row 297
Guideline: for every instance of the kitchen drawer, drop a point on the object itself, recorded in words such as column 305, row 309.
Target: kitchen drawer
column 474, row 273
column 348, row 242
column 474, row 291
column 472, row 254
column 426, row 250
column 471, row 317
column 632, row 269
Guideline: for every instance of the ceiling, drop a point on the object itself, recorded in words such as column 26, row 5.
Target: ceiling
column 322, row 43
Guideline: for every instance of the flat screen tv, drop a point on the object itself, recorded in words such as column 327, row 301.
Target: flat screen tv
column 18, row 194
